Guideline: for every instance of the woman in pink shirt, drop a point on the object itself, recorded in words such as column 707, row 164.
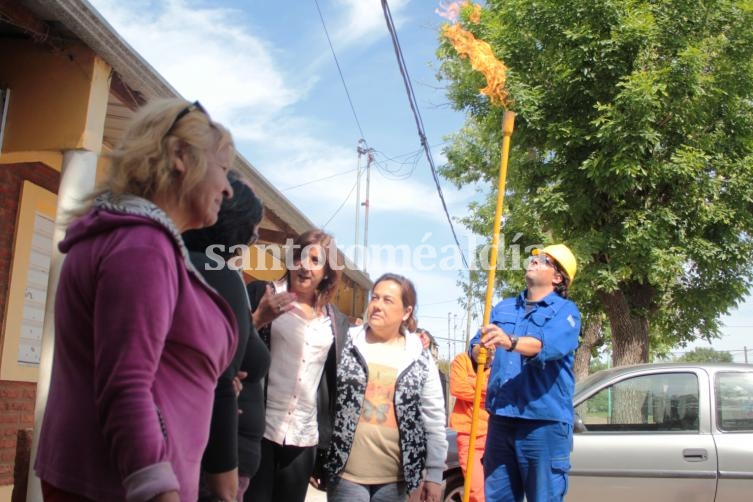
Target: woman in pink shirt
column 135, row 367
column 305, row 333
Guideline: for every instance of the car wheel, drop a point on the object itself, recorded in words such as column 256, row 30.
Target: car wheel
column 453, row 491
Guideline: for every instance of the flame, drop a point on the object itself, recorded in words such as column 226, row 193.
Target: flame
column 449, row 11
column 475, row 15
column 478, row 51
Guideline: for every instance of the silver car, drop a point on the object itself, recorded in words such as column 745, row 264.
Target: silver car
column 659, row 433
column 664, row 432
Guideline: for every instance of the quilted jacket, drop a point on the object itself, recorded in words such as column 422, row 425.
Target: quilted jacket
column 419, row 409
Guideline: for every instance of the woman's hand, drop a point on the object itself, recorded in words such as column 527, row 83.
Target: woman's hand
column 237, row 382
column 271, row 306
column 427, row 491
column 315, row 482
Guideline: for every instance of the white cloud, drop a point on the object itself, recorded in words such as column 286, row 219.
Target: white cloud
column 207, row 54
column 363, row 20
column 314, row 160
column 214, row 54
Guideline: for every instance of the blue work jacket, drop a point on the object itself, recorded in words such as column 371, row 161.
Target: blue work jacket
column 539, row 387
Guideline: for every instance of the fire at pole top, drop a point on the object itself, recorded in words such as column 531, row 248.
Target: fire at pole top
column 479, row 52
column 482, row 59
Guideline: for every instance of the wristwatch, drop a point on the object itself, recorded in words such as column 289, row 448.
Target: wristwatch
column 513, row 343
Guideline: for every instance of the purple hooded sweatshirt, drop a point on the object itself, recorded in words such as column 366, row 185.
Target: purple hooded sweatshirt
column 140, row 341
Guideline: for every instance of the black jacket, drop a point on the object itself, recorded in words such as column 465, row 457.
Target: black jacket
column 221, row 453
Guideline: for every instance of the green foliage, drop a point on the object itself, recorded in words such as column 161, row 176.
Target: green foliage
column 633, row 144
column 597, row 365
column 706, row 355
column 599, row 404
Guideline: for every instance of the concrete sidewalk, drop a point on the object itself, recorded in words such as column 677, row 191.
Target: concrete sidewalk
column 315, row 495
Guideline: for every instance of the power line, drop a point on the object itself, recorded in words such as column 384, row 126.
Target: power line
column 412, row 153
column 318, row 180
column 404, row 169
column 339, row 70
column 399, row 172
column 419, row 121
column 341, row 205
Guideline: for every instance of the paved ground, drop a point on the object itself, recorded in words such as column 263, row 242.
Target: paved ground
column 315, row 495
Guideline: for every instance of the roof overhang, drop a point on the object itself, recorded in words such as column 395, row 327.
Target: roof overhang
column 135, row 81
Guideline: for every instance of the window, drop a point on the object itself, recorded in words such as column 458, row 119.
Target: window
column 734, row 401
column 662, row 402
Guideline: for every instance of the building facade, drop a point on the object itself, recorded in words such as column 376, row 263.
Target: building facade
column 68, row 86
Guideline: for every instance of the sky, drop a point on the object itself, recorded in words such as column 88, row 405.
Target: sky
column 265, row 70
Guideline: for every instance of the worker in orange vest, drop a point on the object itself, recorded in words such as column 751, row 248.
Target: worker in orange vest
column 463, row 387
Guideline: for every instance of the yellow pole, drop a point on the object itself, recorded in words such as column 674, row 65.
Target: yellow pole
column 508, row 122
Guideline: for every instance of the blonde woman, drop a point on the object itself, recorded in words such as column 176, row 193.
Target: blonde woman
column 140, row 339
column 388, row 442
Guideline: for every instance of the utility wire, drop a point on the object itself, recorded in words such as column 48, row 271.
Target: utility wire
column 339, row 70
column 394, row 158
column 318, row 180
column 341, row 205
column 419, row 121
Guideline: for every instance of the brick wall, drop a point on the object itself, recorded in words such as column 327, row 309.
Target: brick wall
column 17, row 399
column 16, row 413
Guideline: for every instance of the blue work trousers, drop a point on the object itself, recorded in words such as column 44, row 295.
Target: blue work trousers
column 526, row 457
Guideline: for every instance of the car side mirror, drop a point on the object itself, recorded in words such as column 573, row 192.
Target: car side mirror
column 578, row 425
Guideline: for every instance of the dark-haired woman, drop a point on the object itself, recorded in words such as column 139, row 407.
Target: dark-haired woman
column 214, row 251
column 388, row 441
column 305, row 333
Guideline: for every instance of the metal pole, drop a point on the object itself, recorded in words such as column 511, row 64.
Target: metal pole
column 454, row 334
column 508, row 122
column 468, row 313
column 369, row 160
column 361, row 150
column 449, row 329
column 745, row 351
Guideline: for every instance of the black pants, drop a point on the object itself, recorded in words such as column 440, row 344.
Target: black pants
column 283, row 474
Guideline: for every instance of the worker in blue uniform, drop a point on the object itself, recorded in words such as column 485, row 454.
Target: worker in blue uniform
column 530, row 390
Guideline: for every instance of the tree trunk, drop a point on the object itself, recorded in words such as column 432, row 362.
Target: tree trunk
column 592, row 336
column 629, row 331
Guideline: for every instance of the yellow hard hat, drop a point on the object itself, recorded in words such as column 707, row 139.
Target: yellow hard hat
column 563, row 256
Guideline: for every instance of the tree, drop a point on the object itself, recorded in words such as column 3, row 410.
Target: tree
column 591, row 339
column 706, row 355
column 633, row 144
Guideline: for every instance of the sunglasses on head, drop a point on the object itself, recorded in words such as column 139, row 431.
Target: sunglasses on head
column 195, row 106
